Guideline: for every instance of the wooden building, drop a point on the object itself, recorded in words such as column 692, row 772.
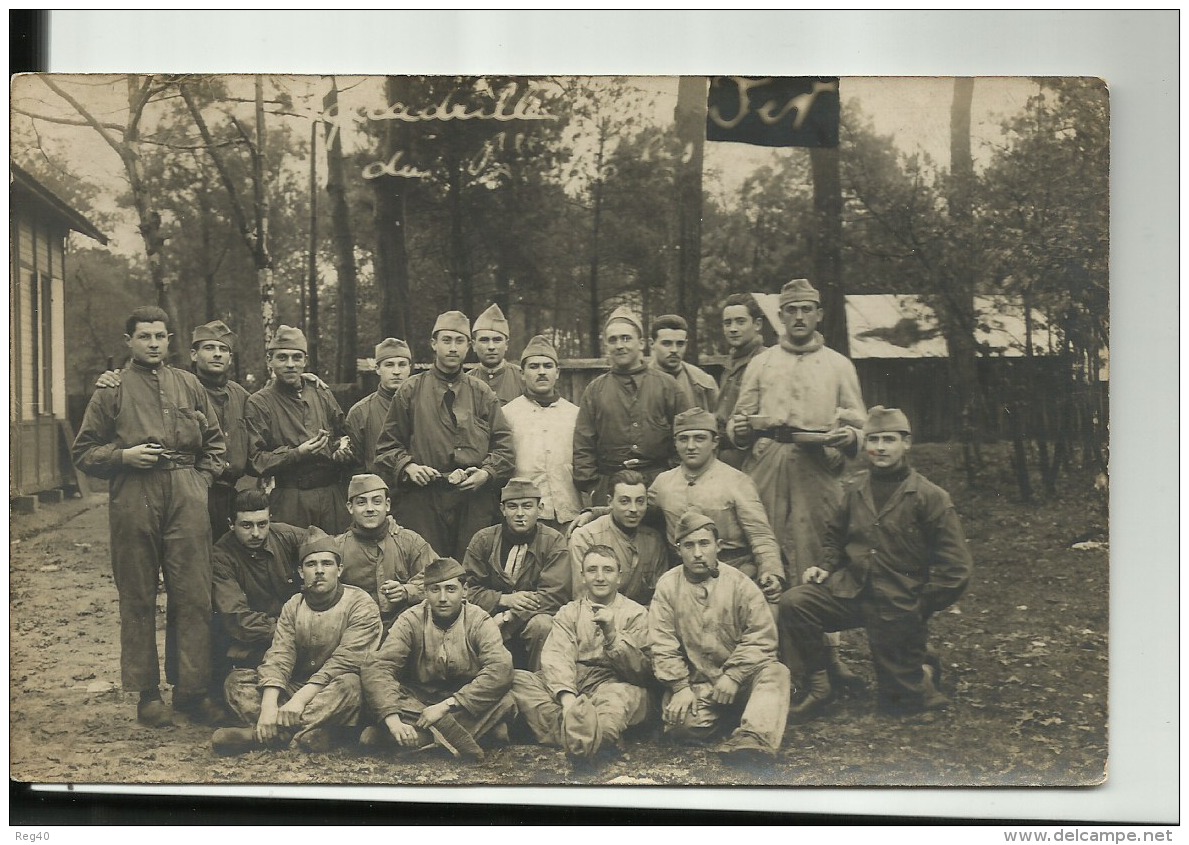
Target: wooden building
column 39, row 227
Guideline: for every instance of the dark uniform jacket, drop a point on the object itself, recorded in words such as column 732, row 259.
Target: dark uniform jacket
column 230, row 401
column 912, row 554
column 280, row 419
column 252, row 585
column 544, row 570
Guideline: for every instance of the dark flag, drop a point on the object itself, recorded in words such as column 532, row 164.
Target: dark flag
column 774, row 111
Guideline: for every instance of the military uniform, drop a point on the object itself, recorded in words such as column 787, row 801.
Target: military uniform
column 158, row 516
column 366, row 418
column 642, row 556
column 728, row 394
column 697, row 385
column 392, row 553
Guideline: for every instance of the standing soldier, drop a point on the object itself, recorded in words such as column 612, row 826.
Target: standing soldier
column 157, row 440
column 801, row 404
column 211, row 350
column 670, row 334
column 446, row 445
column 491, row 335
column 743, row 327
column 543, row 434
column 625, row 418
column 297, row 438
column 365, row 420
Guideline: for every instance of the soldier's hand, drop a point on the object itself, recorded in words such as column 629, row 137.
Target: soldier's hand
column 814, row 575
column 522, row 600
column 606, row 622
column 584, row 518
column 841, row 438
column 313, row 379
column 741, row 426
column 266, row 724
column 771, row 586
column 345, row 453
column 405, row 735
column 680, row 706
column 143, row 456
column 421, row 475
column 394, row 591
column 289, row 716
column 314, row 444
column 430, row 715
column 566, row 700
column 475, row 479
column 724, row 690
column 108, row 378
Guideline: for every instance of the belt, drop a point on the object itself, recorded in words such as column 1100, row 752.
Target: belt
column 788, row 434
column 638, row 464
column 731, row 555
column 170, row 461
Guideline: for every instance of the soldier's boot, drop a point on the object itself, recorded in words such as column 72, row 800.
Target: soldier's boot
column 841, row 675
column 151, row 710
column 199, row 708
column 818, row 694
column 934, row 699
column 227, row 741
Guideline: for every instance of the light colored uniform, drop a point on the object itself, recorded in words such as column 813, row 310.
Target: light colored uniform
column 642, row 556
column 721, row 626
column 577, row 659
column 699, row 387
column 543, row 439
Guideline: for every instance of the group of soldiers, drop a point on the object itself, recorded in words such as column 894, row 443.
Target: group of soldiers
column 466, row 551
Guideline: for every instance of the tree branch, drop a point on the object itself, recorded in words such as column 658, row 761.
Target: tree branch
column 237, row 210
column 65, row 121
column 120, row 149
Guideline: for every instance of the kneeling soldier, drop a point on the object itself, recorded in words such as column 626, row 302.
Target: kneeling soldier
column 323, row 636
column 593, row 667
column 443, row 675
column 713, row 643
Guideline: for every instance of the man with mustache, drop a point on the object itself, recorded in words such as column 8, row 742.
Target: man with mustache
column 297, row 438
column 519, row 572
column 543, row 434
column 670, row 334
column 443, row 676
column 157, row 440
column 625, row 418
column 446, row 446
column 365, row 420
column 308, row 685
column 799, row 410
column 381, row 557
column 491, row 333
column 713, row 645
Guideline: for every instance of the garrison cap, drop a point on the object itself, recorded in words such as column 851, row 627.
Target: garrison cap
column 695, row 419
column 625, row 314
column 539, row 347
column 880, row 419
column 520, row 488
column 452, row 321
column 287, row 337
column 392, row 347
column 318, row 540
column 690, row 522
column 442, row 569
column 216, row 330
column 492, row 320
column 365, row 483
column 799, row 290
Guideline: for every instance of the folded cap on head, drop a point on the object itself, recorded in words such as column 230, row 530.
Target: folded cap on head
column 365, row 483
column 318, row 540
column 695, row 419
column 452, row 321
column 690, row 522
column 214, row 330
column 520, row 488
column 539, row 347
column 392, row 347
column 799, row 290
column 624, row 313
column 492, row 320
column 880, row 419
column 287, row 337
column 442, row 569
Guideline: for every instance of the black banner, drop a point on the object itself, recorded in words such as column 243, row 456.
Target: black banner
column 774, row 111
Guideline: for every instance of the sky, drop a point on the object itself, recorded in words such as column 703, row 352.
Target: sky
column 913, row 110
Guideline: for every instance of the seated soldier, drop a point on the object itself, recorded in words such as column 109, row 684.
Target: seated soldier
column 713, row 644
column 255, row 573
column 380, row 557
column 443, row 675
column 593, row 667
column 308, row 683
column 639, row 549
column 519, row 572
column 894, row 555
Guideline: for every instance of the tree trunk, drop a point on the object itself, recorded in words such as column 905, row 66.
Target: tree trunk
column 311, row 297
column 690, row 120
column 392, row 255
column 595, row 328
column 827, row 245
column 260, row 252
column 459, row 257
column 344, row 245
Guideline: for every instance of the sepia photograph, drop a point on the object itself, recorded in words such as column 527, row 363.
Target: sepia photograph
column 543, row 430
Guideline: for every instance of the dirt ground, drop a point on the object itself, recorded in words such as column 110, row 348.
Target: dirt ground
column 1025, row 656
